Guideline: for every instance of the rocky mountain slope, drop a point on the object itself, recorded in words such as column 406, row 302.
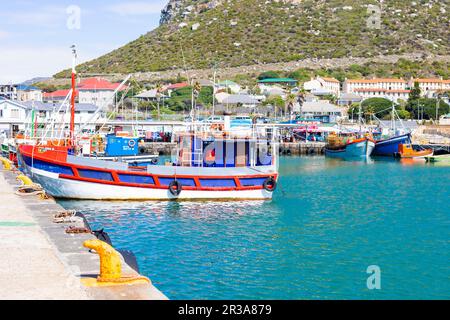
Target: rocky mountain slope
column 198, row 34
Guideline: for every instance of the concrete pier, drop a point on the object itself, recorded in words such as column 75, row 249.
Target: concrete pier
column 39, row 260
column 302, row 148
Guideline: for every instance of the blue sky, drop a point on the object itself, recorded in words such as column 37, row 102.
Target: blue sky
column 35, row 36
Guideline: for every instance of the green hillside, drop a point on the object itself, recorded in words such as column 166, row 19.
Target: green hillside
column 247, row 32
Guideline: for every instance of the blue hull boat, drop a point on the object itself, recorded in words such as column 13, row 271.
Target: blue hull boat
column 389, row 147
column 361, row 148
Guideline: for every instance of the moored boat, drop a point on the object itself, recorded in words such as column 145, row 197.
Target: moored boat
column 242, row 176
column 349, row 147
column 390, row 146
column 406, row 151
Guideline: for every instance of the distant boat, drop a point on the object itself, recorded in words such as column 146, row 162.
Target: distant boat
column 352, row 148
column 390, row 146
column 441, row 159
column 406, row 151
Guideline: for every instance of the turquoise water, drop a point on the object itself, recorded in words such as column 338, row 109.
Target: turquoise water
column 329, row 220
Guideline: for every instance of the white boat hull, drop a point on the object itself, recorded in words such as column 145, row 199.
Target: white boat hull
column 72, row 189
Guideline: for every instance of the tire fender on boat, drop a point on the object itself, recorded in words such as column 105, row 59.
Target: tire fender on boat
column 270, row 184
column 132, row 143
column 155, row 161
column 175, row 188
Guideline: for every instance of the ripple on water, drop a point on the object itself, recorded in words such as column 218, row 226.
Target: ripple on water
column 328, row 222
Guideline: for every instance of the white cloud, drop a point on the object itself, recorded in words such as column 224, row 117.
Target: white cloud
column 137, row 8
column 50, row 16
column 22, row 63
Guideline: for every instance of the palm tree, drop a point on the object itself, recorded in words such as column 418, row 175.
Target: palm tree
column 196, row 88
column 290, row 102
column 159, row 90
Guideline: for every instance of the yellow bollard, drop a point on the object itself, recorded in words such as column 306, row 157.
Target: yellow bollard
column 25, row 180
column 110, row 266
column 6, row 163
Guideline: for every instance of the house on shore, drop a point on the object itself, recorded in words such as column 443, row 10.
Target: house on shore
column 15, row 115
column 321, row 110
column 323, row 86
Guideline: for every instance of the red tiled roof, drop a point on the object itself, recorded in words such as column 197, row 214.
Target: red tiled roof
column 433, row 80
column 369, row 90
column 92, row 84
column 56, row 94
column 381, row 90
column 330, row 80
column 378, row 80
column 398, row 91
column 177, row 86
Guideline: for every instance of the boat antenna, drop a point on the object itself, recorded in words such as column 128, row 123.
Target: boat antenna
column 214, row 90
column 74, row 94
column 359, row 117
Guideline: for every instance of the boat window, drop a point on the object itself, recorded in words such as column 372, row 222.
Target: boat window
column 217, row 183
column 97, row 175
column 252, row 182
column 184, row 182
column 129, row 178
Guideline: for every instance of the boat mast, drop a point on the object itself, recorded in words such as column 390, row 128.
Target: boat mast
column 72, row 100
column 360, row 117
column 393, row 118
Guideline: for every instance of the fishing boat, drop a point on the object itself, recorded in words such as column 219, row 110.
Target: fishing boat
column 207, row 164
column 389, row 144
column 445, row 158
column 406, row 151
column 5, row 148
column 349, row 147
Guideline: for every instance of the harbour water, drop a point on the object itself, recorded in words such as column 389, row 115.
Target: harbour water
column 329, row 220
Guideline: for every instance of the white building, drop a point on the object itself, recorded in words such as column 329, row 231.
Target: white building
column 15, row 115
column 321, row 110
column 389, row 88
column 12, row 113
column 323, row 85
column 393, row 95
column 28, row 93
column 350, row 85
column 97, row 91
column 430, row 86
column 8, row 91
column 229, row 85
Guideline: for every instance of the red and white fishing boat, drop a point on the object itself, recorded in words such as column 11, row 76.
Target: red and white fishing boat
column 207, row 165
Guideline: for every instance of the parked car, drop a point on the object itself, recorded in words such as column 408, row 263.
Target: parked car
column 214, row 119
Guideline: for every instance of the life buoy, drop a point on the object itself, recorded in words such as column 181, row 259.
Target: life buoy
column 132, row 143
column 270, row 184
column 175, row 188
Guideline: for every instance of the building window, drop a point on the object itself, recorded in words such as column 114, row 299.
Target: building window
column 15, row 113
